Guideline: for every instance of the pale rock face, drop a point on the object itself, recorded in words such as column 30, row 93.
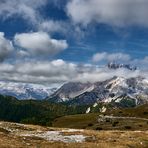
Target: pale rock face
column 103, row 109
column 71, row 90
column 115, row 89
column 95, row 104
column 88, row 110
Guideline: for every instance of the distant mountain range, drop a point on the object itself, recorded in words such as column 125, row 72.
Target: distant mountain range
column 25, row 91
column 118, row 90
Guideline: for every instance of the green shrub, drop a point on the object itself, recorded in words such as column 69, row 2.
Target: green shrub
column 127, row 127
column 99, row 128
column 90, row 124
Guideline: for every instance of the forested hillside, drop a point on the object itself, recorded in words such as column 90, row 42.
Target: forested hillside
column 34, row 112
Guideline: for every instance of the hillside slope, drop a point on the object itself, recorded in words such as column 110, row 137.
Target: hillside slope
column 33, row 111
column 14, row 135
column 113, row 119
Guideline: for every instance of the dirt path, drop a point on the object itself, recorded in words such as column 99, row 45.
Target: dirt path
column 118, row 117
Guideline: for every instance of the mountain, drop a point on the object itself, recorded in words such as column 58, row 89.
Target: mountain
column 113, row 65
column 25, row 91
column 71, row 90
column 120, row 90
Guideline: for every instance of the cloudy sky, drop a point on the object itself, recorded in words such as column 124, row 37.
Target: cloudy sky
column 56, row 41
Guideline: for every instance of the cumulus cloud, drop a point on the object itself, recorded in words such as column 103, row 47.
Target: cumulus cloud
column 27, row 9
column 59, row 71
column 53, row 68
column 104, row 56
column 6, row 47
column 56, row 71
column 39, row 43
column 113, row 12
column 30, row 11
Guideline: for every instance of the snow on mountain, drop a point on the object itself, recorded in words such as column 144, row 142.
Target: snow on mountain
column 71, row 90
column 25, row 91
column 115, row 89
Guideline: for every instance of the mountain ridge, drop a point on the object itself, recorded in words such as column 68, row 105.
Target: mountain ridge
column 25, row 91
column 115, row 89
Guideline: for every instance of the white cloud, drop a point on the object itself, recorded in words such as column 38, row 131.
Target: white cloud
column 27, row 9
column 113, row 12
column 59, row 72
column 141, row 63
column 55, row 68
column 99, row 56
column 53, row 26
column 104, row 56
column 102, row 74
column 40, row 43
column 56, row 71
column 31, row 12
column 6, row 47
column 22, row 53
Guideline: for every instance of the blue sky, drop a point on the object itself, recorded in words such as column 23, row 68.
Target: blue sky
column 62, row 35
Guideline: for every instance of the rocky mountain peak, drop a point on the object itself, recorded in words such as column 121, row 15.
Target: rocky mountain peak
column 113, row 65
column 115, row 89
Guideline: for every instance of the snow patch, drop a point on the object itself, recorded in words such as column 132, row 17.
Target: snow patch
column 95, row 104
column 58, row 136
column 73, row 130
column 88, row 110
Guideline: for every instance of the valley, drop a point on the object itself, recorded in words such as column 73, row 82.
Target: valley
column 73, row 73
column 104, row 114
column 69, row 126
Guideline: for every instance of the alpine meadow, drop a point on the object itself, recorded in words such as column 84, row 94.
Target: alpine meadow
column 73, row 73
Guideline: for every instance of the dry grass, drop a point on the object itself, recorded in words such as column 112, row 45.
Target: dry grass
column 95, row 139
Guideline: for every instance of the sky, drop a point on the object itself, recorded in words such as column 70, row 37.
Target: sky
column 57, row 41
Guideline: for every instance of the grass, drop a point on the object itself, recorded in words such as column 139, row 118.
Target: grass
column 140, row 111
column 90, row 121
column 76, row 121
column 114, row 133
column 97, row 139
